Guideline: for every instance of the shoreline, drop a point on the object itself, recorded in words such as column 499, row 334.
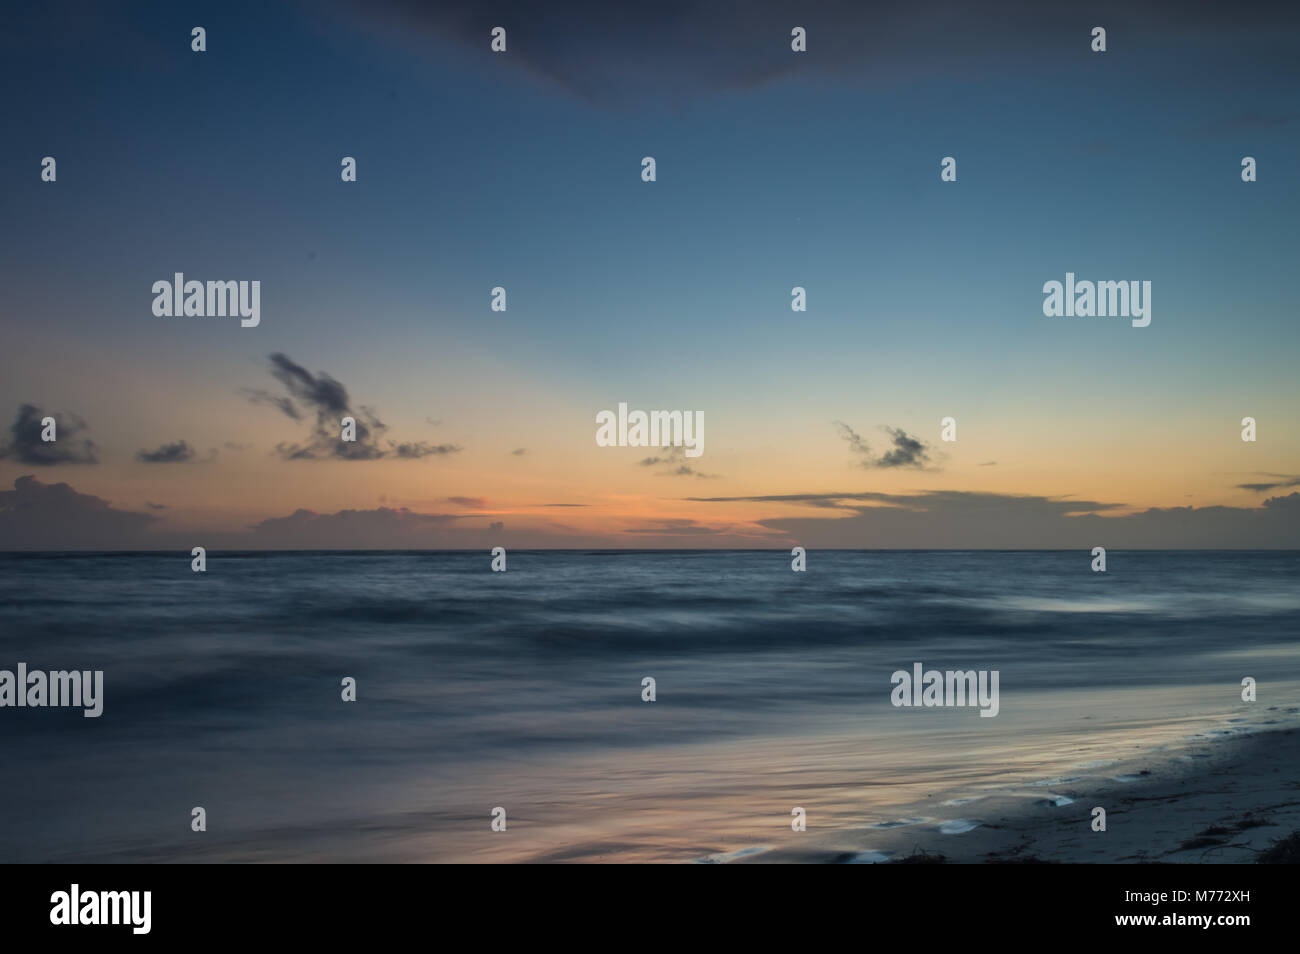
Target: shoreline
column 1220, row 801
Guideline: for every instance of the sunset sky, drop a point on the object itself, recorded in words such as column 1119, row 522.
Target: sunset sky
column 775, row 169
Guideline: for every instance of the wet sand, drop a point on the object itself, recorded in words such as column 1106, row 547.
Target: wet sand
column 1220, row 801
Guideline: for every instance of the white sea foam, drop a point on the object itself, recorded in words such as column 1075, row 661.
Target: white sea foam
column 897, row 823
column 1056, row 801
column 869, row 858
column 722, row 858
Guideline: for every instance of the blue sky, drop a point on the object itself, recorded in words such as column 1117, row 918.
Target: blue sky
column 774, row 170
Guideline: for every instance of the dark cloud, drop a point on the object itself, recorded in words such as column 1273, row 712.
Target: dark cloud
column 320, row 392
column 927, row 499
column 520, row 451
column 26, row 447
column 674, row 460
column 671, row 51
column 1290, row 504
column 1281, row 481
column 906, row 451
column 418, row 449
column 155, row 506
column 378, row 529
column 476, row 502
column 326, row 399
column 384, row 528
column 175, row 453
column 950, row 519
column 55, row 517
column 38, row 516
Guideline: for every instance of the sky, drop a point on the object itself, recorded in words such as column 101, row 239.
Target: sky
column 774, row 169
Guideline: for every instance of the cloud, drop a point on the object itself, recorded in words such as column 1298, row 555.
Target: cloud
column 477, row 503
column 155, row 506
column 1290, row 504
column 326, row 399
column 674, row 459
column 907, row 451
column 175, row 453
column 678, row 528
column 418, row 449
column 626, row 54
column 1282, row 481
column 39, row 516
column 566, row 505
column 260, row 396
column 320, row 392
column 26, row 447
column 952, row 519
column 520, row 451
column 926, row 499
column 856, row 444
column 382, row 528
column 56, row 517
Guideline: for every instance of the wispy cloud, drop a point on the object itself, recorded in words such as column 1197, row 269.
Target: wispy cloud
column 673, row 460
column 678, row 528
column 283, row 404
column 856, row 443
column 1279, row 482
column 177, row 452
column 327, row 400
column 417, row 449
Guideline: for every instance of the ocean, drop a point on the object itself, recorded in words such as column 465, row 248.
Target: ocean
column 523, row 691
